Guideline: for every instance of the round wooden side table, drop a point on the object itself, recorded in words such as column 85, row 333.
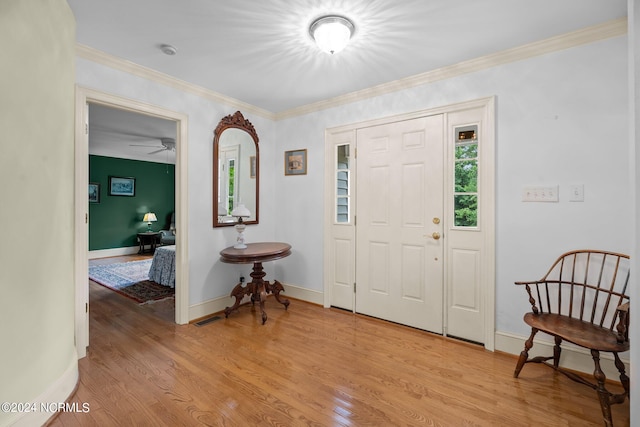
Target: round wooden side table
column 258, row 288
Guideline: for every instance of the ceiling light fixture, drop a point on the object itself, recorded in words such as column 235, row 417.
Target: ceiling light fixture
column 167, row 49
column 331, row 33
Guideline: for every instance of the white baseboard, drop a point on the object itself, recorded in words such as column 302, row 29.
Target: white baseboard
column 216, row 305
column 105, row 253
column 46, row 403
column 207, row 308
column 572, row 356
column 304, row 294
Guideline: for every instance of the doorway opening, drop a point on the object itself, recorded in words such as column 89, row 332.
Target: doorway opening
column 85, row 99
column 127, row 231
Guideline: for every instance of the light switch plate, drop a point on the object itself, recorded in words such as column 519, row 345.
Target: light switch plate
column 540, row 194
column 576, row 193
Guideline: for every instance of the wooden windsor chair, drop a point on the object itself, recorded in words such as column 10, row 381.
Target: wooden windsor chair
column 583, row 299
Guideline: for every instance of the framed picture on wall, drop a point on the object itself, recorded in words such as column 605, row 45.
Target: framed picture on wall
column 295, row 162
column 94, row 192
column 120, row 186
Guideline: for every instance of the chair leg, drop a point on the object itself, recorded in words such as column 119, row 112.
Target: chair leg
column 556, row 352
column 624, row 379
column 603, row 394
column 524, row 355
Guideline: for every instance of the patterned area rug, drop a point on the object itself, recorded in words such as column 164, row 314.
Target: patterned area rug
column 130, row 279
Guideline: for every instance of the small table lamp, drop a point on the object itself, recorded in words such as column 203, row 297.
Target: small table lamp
column 149, row 217
column 240, row 212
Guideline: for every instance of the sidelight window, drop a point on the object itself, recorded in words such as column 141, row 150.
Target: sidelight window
column 343, row 184
column 465, row 192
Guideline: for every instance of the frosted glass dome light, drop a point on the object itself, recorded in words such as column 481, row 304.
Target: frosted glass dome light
column 331, row 33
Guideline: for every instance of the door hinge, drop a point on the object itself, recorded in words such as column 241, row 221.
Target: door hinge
column 354, row 287
column 86, row 307
column 86, row 218
column 86, row 128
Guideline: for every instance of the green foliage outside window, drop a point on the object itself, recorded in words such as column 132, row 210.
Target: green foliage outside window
column 232, row 182
column 465, row 199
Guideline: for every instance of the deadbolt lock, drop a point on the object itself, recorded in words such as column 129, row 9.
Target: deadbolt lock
column 436, row 220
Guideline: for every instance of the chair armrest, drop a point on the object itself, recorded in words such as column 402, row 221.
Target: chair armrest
column 532, row 300
column 535, row 282
column 623, row 323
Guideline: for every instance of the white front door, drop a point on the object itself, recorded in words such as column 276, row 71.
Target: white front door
column 414, row 175
column 399, row 259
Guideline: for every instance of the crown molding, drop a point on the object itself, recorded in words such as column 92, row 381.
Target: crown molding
column 94, row 55
column 609, row 29
column 606, row 30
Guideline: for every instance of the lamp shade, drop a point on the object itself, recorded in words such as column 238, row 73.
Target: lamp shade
column 331, row 33
column 149, row 217
column 241, row 211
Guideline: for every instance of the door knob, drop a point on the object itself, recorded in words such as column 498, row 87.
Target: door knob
column 435, row 235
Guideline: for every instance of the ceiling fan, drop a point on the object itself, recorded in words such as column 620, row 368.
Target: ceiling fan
column 168, row 144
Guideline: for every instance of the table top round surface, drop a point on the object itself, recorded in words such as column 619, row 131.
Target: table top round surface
column 255, row 252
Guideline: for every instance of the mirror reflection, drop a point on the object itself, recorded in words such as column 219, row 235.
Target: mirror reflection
column 235, row 175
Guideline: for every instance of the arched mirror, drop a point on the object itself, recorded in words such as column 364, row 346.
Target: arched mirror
column 236, row 166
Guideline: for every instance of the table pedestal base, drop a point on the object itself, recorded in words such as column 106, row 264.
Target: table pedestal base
column 258, row 289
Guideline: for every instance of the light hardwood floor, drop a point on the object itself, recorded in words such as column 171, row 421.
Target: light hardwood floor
column 307, row 366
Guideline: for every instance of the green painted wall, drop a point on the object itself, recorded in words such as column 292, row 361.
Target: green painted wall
column 115, row 220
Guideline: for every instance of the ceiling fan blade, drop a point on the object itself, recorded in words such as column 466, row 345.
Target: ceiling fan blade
column 142, row 145
column 157, row 151
column 100, row 129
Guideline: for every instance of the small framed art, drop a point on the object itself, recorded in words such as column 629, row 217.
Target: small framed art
column 119, row 186
column 94, row 192
column 295, row 162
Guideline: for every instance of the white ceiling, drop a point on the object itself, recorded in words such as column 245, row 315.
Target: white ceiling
column 129, row 135
column 260, row 52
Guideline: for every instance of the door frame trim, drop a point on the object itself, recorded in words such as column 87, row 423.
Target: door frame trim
column 83, row 97
column 488, row 179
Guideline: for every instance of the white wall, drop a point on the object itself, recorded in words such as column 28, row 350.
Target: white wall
column 208, row 277
column 561, row 119
column 38, row 361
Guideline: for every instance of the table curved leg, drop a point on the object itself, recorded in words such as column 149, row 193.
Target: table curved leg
column 275, row 289
column 257, row 289
column 258, row 292
column 263, row 298
column 238, row 293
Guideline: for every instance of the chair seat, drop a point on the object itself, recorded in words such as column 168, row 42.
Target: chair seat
column 579, row 332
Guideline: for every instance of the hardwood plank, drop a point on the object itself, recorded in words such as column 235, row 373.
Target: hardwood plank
column 306, row 366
